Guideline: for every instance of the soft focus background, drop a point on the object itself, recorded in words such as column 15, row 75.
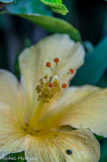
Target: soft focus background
column 89, row 17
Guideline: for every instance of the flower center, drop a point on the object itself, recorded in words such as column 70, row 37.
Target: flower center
column 49, row 86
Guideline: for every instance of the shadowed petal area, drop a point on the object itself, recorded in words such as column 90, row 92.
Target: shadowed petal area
column 11, row 137
column 77, row 145
column 11, row 94
column 33, row 61
column 83, row 107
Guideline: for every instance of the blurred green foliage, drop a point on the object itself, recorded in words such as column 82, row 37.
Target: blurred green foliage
column 103, row 80
column 94, row 66
column 103, row 157
column 56, row 6
column 6, row 1
column 32, row 7
column 38, row 15
column 55, row 25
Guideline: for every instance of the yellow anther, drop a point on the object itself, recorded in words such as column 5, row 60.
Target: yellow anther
column 46, row 77
column 45, row 93
column 41, row 81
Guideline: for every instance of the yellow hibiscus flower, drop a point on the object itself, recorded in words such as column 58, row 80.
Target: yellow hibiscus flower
column 37, row 115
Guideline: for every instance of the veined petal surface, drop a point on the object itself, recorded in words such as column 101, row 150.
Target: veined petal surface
column 11, row 94
column 83, row 107
column 53, row 147
column 11, row 135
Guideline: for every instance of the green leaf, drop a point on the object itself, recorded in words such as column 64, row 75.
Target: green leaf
column 55, row 25
column 17, row 157
column 94, row 66
column 32, row 7
column 99, row 137
column 103, row 157
column 88, row 46
column 36, row 12
column 6, row 1
column 103, row 81
column 56, row 6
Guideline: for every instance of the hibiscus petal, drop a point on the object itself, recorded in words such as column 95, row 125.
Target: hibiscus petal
column 70, row 96
column 83, row 107
column 11, row 136
column 77, row 145
column 33, row 60
column 10, row 93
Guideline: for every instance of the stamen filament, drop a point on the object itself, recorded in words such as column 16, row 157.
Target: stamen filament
column 61, row 73
column 37, row 115
column 56, row 60
column 56, row 68
column 52, row 70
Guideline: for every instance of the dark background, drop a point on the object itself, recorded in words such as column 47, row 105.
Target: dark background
column 89, row 16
